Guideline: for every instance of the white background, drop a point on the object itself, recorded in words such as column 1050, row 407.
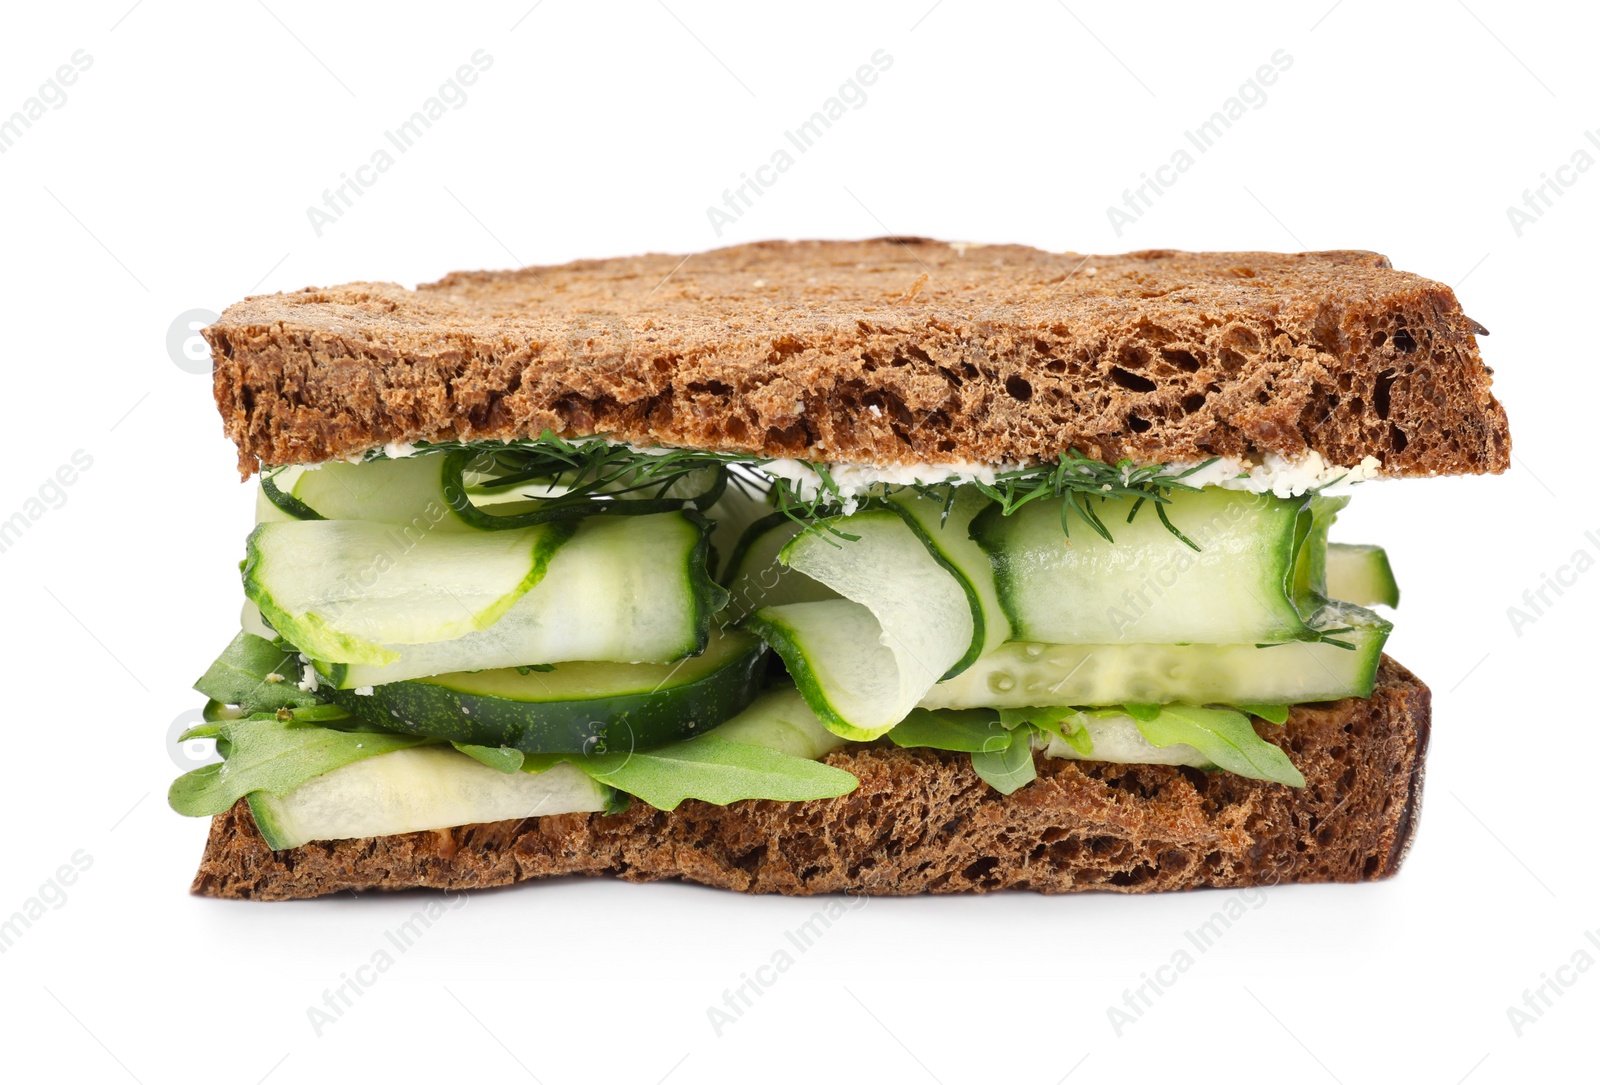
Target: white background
column 176, row 176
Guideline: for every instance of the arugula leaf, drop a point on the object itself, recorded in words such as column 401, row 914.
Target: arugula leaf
column 1065, row 723
column 504, row 758
column 969, row 730
column 272, row 755
column 1224, row 736
column 1142, row 712
column 239, row 677
column 1001, row 744
column 1272, row 713
column 708, row 768
column 1010, row 768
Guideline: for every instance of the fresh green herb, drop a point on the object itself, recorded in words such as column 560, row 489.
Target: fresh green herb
column 708, row 768
column 1225, row 737
column 273, row 755
column 1002, row 757
column 971, row 730
column 257, row 676
column 501, row 758
column 1065, row 723
column 1010, row 768
column 1272, row 713
column 595, row 469
column 1081, row 481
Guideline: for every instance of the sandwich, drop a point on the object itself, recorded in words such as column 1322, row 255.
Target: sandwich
column 880, row 567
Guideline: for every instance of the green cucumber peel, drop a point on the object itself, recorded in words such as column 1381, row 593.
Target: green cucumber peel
column 710, row 769
column 286, row 502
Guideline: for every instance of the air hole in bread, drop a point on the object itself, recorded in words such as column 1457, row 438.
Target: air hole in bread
column 1241, row 338
column 712, row 387
column 1380, row 393
column 1137, row 424
column 1019, row 389
column 1397, row 438
column 1379, row 338
column 1131, row 381
column 1182, row 359
column 1192, row 403
column 1403, row 341
column 980, row 869
column 1133, row 357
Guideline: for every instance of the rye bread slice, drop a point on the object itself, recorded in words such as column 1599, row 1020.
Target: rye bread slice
column 896, row 350
column 922, row 822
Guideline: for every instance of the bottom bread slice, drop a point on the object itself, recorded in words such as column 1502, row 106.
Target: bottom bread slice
column 922, row 822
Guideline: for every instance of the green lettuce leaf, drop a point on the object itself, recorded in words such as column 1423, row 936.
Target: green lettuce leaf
column 273, row 755
column 1224, row 736
column 708, row 768
column 239, row 677
column 1009, row 768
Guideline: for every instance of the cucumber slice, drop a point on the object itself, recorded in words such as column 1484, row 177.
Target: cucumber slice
column 943, row 529
column 756, row 578
column 1361, row 575
column 863, row 662
column 1026, row 675
column 1147, row 587
column 781, row 720
column 405, row 791
column 342, row 590
column 1311, row 562
column 622, row 589
column 741, row 504
column 1117, row 739
column 468, row 490
column 573, row 707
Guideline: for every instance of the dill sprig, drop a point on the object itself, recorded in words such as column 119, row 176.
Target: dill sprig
column 591, row 469
column 1084, row 483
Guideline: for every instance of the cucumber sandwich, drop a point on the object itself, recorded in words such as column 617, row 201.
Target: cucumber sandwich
column 878, row 567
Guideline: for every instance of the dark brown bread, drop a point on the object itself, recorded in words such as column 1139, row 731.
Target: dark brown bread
column 922, row 822
column 896, row 350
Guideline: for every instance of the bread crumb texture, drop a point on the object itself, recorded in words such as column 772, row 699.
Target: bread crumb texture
column 889, row 351
column 922, row 822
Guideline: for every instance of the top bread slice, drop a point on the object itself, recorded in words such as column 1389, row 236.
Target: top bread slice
column 890, row 351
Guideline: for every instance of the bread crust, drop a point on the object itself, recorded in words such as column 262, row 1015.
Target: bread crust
column 890, row 351
column 922, row 822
